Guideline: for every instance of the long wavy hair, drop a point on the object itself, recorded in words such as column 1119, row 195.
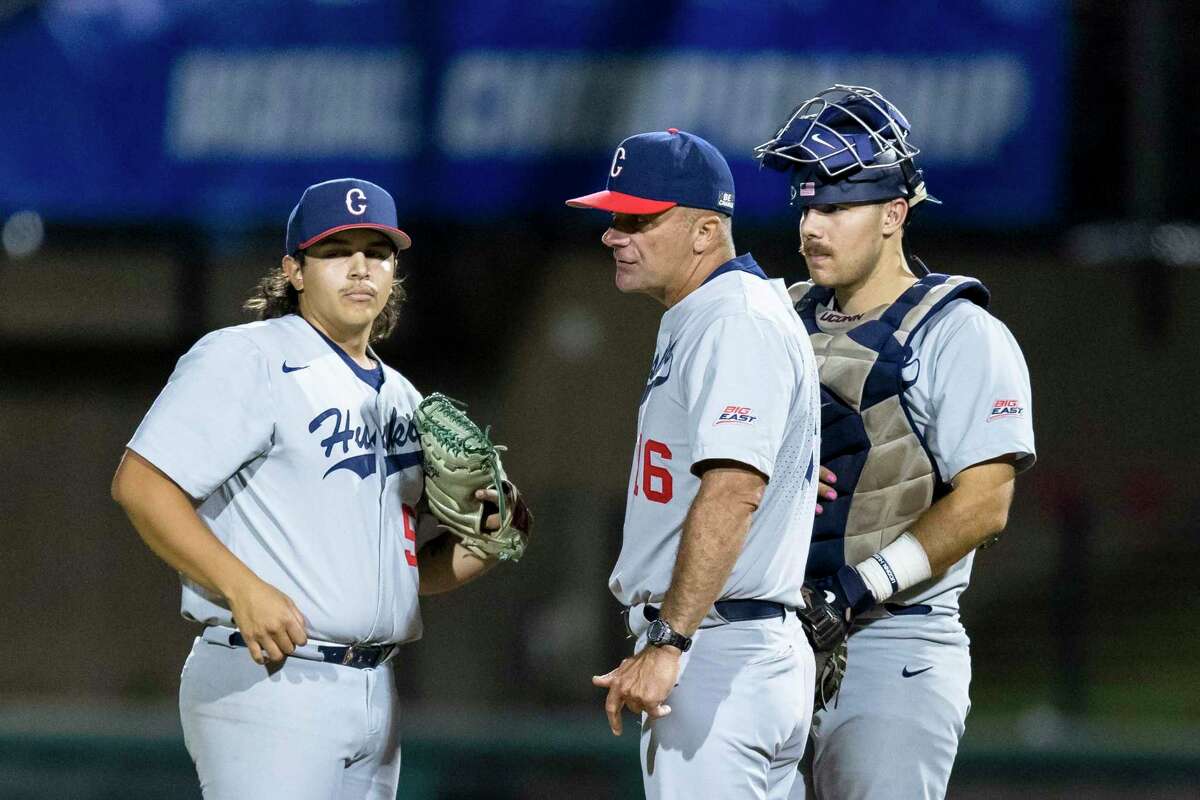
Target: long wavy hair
column 274, row 296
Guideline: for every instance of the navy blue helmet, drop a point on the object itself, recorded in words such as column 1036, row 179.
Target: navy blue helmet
column 848, row 144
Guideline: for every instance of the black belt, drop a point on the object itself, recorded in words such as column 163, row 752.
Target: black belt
column 735, row 610
column 358, row 656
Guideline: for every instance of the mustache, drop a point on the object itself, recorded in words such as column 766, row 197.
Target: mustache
column 811, row 249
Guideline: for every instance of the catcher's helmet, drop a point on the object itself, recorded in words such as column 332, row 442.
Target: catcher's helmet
column 848, row 144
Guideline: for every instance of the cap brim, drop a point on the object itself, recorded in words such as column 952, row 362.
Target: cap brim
column 621, row 203
column 398, row 237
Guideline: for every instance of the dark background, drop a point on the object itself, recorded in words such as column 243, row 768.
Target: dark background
column 1081, row 618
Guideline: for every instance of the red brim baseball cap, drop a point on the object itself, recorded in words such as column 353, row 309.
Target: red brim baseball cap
column 621, row 203
column 652, row 172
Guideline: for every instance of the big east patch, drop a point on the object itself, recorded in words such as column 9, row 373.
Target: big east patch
column 1005, row 409
column 736, row 414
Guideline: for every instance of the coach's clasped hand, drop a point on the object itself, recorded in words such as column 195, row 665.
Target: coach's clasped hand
column 641, row 683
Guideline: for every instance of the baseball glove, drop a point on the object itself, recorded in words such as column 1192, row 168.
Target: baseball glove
column 827, row 631
column 460, row 459
column 831, row 668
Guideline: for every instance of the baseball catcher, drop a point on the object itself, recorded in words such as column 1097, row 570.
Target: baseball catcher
column 925, row 424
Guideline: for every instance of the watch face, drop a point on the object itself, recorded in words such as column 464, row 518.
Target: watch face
column 658, row 631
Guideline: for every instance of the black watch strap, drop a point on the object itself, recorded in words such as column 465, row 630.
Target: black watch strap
column 660, row 634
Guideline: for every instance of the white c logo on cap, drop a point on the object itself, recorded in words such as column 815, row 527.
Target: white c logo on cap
column 617, row 156
column 356, row 202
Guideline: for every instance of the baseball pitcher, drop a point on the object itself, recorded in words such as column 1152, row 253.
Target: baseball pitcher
column 283, row 472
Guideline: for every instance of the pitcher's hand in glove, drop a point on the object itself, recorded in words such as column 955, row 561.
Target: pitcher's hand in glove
column 461, row 463
column 522, row 517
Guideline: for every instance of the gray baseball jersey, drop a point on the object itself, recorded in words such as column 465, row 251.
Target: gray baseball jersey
column 308, row 468
column 970, row 400
column 733, row 378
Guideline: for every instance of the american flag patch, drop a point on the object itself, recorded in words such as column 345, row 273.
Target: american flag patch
column 808, row 189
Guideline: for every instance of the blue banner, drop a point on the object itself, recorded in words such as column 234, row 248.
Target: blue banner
column 221, row 113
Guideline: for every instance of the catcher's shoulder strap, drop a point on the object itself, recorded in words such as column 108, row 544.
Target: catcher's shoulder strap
column 918, row 303
column 927, row 297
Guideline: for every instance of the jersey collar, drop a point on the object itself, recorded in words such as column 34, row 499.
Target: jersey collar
column 743, row 263
column 371, row 377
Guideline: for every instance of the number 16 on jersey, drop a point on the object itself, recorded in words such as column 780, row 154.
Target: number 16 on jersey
column 653, row 479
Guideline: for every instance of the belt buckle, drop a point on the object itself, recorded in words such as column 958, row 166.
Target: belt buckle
column 362, row 656
column 368, row 656
column 349, row 657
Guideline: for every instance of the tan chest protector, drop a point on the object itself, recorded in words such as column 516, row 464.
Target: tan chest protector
column 886, row 477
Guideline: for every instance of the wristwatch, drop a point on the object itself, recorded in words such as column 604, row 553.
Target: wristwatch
column 660, row 633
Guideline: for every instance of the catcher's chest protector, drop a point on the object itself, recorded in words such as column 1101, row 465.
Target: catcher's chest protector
column 886, row 476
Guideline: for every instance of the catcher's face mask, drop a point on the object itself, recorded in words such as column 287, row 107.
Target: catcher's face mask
column 848, row 144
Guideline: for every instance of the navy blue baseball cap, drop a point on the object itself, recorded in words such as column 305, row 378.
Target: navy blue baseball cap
column 339, row 205
column 652, row 172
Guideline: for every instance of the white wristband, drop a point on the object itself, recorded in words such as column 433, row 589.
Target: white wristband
column 901, row 564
